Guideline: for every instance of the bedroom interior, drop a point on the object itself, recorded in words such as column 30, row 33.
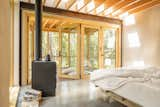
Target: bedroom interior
column 93, row 53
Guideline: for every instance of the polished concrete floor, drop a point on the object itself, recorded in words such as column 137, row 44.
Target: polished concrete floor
column 77, row 93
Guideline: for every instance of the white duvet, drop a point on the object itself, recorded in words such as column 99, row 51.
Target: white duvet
column 141, row 86
column 115, row 78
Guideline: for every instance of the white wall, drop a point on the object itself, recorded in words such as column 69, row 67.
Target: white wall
column 147, row 26
column 5, row 52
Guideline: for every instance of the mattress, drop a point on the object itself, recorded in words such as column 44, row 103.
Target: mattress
column 146, row 94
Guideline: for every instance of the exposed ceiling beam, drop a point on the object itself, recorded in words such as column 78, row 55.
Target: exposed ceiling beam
column 111, row 8
column 45, row 22
column 97, row 4
column 115, row 13
column 84, row 5
column 145, row 6
column 70, row 4
column 60, row 23
column 132, row 6
column 72, row 14
column 108, row 4
column 54, row 23
column 57, row 2
column 120, row 5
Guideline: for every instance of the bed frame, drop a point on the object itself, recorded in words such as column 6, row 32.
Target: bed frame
column 111, row 96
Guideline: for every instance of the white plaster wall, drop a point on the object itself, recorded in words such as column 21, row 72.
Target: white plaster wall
column 147, row 25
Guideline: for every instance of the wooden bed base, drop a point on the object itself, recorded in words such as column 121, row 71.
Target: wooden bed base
column 111, row 96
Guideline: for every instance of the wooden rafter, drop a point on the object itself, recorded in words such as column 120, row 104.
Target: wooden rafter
column 45, row 22
column 62, row 23
column 111, row 8
column 57, row 24
column 97, row 4
column 132, row 6
column 71, row 14
column 57, row 3
column 70, row 4
column 107, row 5
column 114, row 13
column 54, row 23
column 121, row 4
column 145, row 6
column 85, row 4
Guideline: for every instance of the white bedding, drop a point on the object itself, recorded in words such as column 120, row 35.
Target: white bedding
column 125, row 72
column 141, row 86
column 146, row 94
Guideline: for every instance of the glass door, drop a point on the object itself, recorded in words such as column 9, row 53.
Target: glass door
column 109, row 48
column 50, row 45
column 69, row 53
column 90, row 50
column 54, row 46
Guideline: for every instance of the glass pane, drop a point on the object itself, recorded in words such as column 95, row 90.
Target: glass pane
column 73, row 51
column 90, row 50
column 44, row 44
column 54, row 46
column 109, row 48
column 69, row 52
column 65, row 50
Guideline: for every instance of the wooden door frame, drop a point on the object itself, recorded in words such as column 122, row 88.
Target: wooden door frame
column 77, row 76
column 31, row 28
column 117, row 46
column 83, row 26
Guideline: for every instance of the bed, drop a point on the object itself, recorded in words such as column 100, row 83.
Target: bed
column 132, row 87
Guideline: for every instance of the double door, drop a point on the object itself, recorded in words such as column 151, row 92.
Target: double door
column 99, row 49
column 63, row 47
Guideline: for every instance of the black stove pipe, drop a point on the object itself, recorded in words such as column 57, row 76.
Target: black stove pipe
column 38, row 29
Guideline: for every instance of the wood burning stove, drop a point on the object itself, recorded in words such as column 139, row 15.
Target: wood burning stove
column 43, row 72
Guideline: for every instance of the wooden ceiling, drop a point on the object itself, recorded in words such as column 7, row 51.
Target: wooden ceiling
column 107, row 8
column 52, row 24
